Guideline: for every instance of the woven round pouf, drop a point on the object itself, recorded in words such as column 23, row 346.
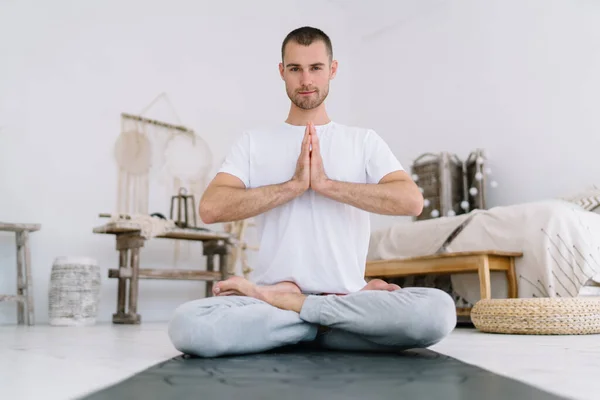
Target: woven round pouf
column 538, row 316
column 74, row 291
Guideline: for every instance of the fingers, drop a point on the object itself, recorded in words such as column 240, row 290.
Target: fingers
column 310, row 126
column 314, row 141
column 306, row 135
column 307, row 147
column 304, row 152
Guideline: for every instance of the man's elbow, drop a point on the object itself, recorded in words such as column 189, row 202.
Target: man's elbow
column 208, row 213
column 413, row 205
column 416, row 205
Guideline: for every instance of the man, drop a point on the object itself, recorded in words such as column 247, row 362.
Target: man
column 311, row 184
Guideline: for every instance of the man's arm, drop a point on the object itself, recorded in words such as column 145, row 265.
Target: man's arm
column 395, row 194
column 227, row 199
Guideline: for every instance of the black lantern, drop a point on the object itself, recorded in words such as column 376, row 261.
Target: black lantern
column 184, row 204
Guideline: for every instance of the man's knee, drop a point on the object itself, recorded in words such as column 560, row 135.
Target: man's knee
column 434, row 317
column 191, row 331
column 227, row 325
column 197, row 327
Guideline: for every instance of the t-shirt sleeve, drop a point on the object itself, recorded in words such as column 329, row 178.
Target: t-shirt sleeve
column 237, row 161
column 380, row 160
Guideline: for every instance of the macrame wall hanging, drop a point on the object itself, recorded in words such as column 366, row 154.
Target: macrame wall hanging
column 156, row 159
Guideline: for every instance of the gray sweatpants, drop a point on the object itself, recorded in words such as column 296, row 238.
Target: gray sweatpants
column 367, row 320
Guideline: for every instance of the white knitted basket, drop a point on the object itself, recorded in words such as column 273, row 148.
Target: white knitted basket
column 74, row 291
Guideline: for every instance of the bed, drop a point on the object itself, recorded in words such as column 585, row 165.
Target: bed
column 559, row 239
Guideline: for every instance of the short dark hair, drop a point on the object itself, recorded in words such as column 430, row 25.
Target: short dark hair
column 305, row 36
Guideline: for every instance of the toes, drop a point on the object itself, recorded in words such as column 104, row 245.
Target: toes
column 392, row 287
column 216, row 289
column 380, row 285
column 230, row 284
column 224, row 286
column 375, row 284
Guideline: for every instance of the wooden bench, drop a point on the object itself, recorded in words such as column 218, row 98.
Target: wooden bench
column 129, row 243
column 482, row 262
column 24, row 296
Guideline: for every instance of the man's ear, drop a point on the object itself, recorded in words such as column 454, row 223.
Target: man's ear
column 281, row 70
column 334, row 68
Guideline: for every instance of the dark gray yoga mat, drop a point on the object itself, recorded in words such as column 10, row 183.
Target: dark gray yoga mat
column 300, row 373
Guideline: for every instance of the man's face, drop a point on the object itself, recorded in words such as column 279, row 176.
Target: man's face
column 307, row 71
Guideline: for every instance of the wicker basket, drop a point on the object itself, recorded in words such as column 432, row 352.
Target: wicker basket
column 74, row 291
column 538, row 316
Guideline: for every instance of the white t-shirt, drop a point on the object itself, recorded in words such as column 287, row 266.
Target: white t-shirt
column 318, row 243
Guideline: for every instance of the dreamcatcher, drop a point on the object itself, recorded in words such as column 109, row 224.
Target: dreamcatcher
column 156, row 159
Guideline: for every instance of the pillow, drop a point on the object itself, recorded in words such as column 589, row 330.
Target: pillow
column 589, row 199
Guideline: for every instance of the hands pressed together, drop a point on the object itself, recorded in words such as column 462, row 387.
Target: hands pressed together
column 310, row 173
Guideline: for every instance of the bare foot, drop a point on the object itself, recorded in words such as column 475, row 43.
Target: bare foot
column 286, row 300
column 236, row 285
column 378, row 284
column 287, row 287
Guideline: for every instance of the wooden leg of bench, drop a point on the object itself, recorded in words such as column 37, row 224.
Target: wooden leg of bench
column 511, row 276
column 122, row 288
column 129, row 249
column 210, row 266
column 134, row 285
column 28, row 279
column 21, row 286
column 484, row 278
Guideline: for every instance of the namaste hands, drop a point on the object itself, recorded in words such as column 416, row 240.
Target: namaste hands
column 310, row 173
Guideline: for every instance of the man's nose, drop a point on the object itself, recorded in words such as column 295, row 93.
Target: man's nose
column 306, row 79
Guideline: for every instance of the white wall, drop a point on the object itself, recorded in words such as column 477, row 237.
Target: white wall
column 69, row 69
column 519, row 78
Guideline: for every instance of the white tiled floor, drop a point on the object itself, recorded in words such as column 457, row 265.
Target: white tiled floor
column 48, row 362
column 44, row 362
column 565, row 365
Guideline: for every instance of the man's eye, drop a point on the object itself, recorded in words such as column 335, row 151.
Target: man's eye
column 316, row 67
column 294, row 69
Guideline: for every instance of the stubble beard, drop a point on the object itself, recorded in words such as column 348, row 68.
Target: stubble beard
column 308, row 102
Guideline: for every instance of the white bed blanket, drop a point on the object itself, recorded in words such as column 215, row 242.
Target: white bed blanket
column 560, row 242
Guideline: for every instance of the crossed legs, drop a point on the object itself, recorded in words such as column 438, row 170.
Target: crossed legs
column 245, row 318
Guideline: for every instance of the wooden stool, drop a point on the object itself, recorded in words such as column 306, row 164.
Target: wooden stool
column 24, row 297
column 481, row 262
